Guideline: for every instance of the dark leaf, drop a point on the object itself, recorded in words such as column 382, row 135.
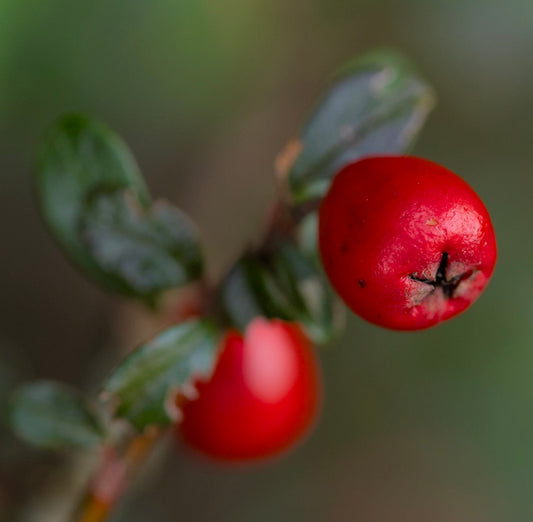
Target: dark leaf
column 307, row 237
column 250, row 291
column 146, row 384
column 84, row 171
column 144, row 252
column 306, row 288
column 285, row 285
column 377, row 105
column 51, row 415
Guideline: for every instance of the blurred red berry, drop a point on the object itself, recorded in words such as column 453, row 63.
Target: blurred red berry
column 405, row 242
column 263, row 396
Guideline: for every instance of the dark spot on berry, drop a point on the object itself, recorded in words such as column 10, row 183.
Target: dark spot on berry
column 345, row 247
column 362, row 283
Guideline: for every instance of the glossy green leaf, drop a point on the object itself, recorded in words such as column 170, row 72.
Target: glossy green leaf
column 376, row 105
column 305, row 286
column 145, row 385
column 286, row 285
column 77, row 157
column 95, row 203
column 51, row 415
column 144, row 251
column 250, row 290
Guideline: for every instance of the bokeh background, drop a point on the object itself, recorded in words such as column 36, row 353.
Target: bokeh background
column 436, row 425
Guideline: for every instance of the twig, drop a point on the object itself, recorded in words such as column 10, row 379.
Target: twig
column 113, row 477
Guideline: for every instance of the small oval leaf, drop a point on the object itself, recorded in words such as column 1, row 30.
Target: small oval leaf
column 249, row 291
column 84, row 172
column 143, row 251
column 305, row 286
column 145, row 385
column 51, row 415
column 285, row 285
column 377, row 105
column 77, row 157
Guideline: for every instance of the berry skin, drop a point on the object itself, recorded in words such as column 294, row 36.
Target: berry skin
column 405, row 242
column 263, row 396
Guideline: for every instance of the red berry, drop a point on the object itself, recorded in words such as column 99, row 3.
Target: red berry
column 405, row 242
column 263, row 396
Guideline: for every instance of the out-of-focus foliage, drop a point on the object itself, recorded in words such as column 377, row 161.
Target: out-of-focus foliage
column 284, row 284
column 145, row 386
column 376, row 105
column 94, row 201
column 51, row 415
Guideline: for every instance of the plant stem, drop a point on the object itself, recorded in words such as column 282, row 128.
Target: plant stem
column 113, row 477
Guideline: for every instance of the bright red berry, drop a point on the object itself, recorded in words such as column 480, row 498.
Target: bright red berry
column 405, row 242
column 263, row 396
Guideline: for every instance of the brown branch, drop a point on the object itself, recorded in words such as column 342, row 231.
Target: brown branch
column 114, row 475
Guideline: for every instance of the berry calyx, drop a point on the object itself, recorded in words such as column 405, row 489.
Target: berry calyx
column 405, row 242
column 263, row 396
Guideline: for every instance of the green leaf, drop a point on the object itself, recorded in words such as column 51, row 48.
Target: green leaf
column 51, row 415
column 92, row 194
column 143, row 251
column 285, row 285
column 77, row 157
column 307, row 237
column 376, row 105
column 250, row 290
column 145, row 385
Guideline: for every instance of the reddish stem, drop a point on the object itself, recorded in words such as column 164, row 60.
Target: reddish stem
column 115, row 473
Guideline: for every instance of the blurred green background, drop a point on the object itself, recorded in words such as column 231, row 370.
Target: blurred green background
column 433, row 426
